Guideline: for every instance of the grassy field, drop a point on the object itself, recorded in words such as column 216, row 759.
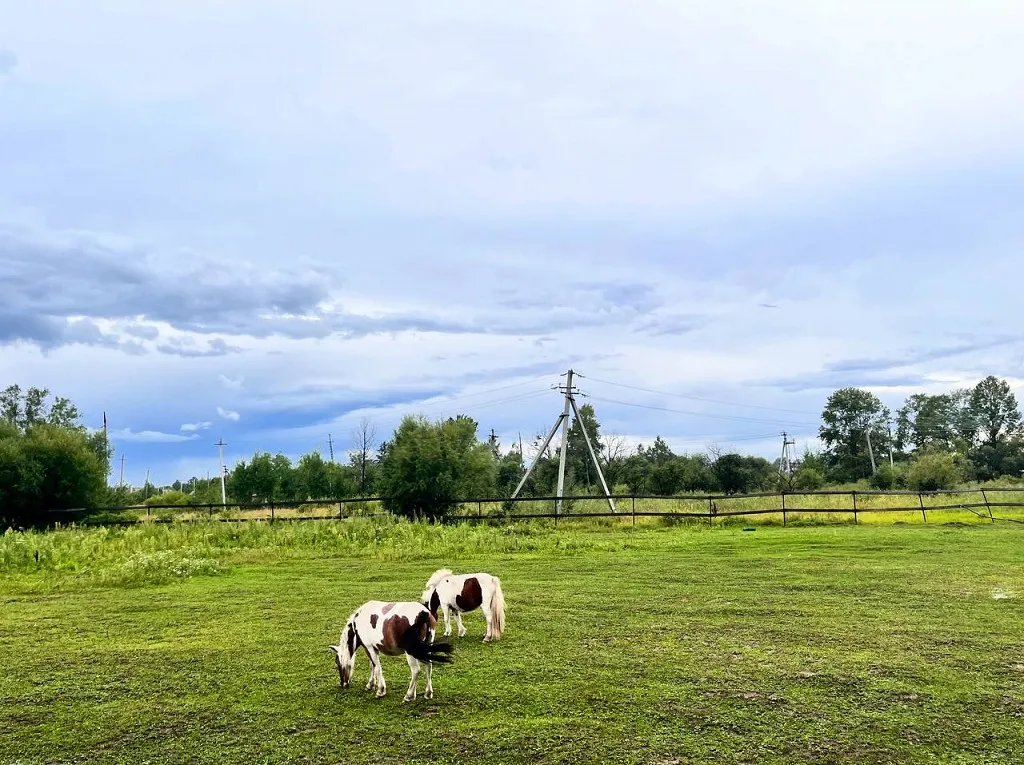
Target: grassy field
column 206, row 643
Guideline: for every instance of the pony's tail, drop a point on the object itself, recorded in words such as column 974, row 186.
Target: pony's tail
column 497, row 609
column 416, row 643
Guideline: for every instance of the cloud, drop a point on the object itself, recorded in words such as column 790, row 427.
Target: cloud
column 8, row 61
column 149, row 436
column 192, row 427
column 333, row 251
column 230, row 383
column 227, row 414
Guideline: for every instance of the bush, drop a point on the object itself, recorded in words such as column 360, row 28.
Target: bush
column 935, row 471
column 808, row 479
column 170, row 497
column 888, row 477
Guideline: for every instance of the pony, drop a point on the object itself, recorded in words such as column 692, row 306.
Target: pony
column 461, row 593
column 391, row 629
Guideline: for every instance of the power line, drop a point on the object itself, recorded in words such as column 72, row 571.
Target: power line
column 697, row 398
column 735, row 418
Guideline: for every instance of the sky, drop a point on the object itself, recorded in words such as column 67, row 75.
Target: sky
column 264, row 221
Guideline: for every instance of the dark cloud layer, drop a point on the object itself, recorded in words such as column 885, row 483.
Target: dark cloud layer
column 47, row 277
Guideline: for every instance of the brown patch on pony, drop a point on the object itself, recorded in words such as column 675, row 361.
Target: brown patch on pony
column 387, row 607
column 373, row 620
column 471, row 597
column 435, row 603
column 394, row 629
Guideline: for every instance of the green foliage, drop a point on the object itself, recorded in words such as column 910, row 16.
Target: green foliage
column 936, row 470
column 808, row 478
column 171, row 497
column 850, row 415
column 48, row 467
column 28, row 408
column 738, row 474
column 995, row 411
column 429, row 466
column 888, row 477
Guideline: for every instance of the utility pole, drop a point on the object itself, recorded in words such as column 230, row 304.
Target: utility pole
column 563, row 422
column 786, row 461
column 145, row 487
column 121, row 482
column 890, row 445
column 494, row 443
column 223, row 490
column 330, row 446
column 871, row 452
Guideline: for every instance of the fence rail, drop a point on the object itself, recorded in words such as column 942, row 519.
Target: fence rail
column 979, row 502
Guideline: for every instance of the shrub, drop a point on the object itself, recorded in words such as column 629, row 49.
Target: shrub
column 935, row 471
column 888, row 477
column 170, row 497
column 808, row 479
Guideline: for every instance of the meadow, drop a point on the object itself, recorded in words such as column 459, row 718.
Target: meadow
column 663, row 643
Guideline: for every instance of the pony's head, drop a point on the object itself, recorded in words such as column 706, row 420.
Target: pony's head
column 345, row 653
column 435, row 579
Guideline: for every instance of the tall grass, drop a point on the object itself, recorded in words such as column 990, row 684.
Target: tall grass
column 156, row 553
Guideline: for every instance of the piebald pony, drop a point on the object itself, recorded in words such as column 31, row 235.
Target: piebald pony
column 461, row 593
column 391, row 629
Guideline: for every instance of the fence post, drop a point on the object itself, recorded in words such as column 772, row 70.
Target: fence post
column 711, row 512
column 920, row 501
column 854, row 494
column 271, row 512
column 479, row 509
column 634, row 511
column 783, row 508
column 987, row 506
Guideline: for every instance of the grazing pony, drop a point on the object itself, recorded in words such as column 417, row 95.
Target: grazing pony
column 461, row 593
column 392, row 629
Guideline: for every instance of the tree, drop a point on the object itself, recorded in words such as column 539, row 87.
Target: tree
column 926, row 421
column 313, row 477
column 48, row 467
column 428, row 467
column 579, row 467
column 852, row 416
column 509, row 471
column 364, row 438
column 737, row 474
column 23, row 410
column 994, row 410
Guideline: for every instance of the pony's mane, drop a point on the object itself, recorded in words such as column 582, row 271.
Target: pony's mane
column 436, row 577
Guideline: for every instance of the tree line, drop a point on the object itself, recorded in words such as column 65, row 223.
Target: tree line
column 49, row 460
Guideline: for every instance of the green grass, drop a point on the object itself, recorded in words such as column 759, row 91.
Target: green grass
column 665, row 644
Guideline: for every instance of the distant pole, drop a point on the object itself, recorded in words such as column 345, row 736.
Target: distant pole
column 121, row 482
column 330, row 446
column 494, row 443
column 890, row 445
column 145, row 486
column 223, row 489
column 871, row 452
column 565, row 441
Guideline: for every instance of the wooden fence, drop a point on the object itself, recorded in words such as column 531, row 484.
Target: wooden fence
column 987, row 504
